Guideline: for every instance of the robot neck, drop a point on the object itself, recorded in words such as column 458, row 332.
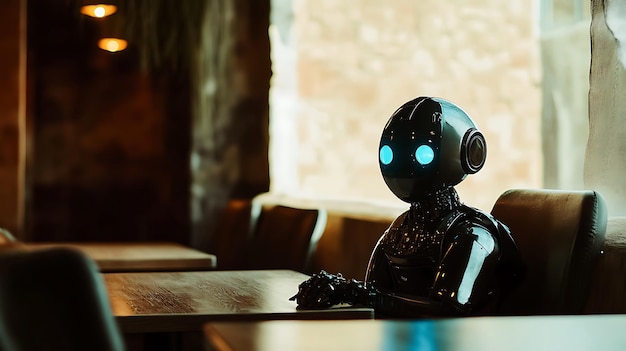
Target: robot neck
column 436, row 204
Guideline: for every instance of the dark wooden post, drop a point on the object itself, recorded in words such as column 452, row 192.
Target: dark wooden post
column 12, row 114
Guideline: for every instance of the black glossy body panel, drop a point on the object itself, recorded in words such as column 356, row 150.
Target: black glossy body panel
column 458, row 262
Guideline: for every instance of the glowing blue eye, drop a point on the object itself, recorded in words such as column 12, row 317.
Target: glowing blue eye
column 386, row 155
column 424, row 155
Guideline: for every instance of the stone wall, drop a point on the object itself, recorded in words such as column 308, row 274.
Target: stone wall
column 229, row 157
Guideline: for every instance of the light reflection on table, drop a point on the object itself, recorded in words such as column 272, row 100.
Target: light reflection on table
column 593, row 332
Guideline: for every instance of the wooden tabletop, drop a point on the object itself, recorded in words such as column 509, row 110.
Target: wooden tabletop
column 139, row 256
column 572, row 333
column 183, row 301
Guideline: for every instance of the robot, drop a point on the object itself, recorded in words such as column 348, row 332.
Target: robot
column 440, row 257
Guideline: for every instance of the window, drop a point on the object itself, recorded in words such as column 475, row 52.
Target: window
column 340, row 70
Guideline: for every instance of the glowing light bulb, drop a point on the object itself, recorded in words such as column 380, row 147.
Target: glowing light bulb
column 99, row 10
column 112, row 44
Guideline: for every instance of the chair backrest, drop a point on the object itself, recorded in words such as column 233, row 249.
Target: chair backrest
column 285, row 237
column 6, row 237
column 231, row 238
column 54, row 299
column 560, row 235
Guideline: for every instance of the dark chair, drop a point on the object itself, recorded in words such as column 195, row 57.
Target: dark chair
column 54, row 299
column 6, row 237
column 560, row 235
column 285, row 237
column 608, row 291
column 231, row 238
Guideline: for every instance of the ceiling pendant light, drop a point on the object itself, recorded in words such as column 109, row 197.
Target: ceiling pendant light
column 98, row 10
column 112, row 44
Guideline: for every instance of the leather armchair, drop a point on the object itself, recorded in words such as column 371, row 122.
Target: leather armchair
column 560, row 235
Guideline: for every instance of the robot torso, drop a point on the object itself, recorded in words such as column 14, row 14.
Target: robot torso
column 442, row 253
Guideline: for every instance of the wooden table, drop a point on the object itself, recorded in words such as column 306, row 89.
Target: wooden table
column 550, row 333
column 139, row 256
column 184, row 301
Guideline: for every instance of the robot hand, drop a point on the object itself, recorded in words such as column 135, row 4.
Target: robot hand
column 324, row 290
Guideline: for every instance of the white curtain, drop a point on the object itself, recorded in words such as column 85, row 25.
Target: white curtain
column 605, row 159
column 565, row 55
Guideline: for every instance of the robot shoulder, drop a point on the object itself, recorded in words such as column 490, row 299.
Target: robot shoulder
column 483, row 227
column 471, row 216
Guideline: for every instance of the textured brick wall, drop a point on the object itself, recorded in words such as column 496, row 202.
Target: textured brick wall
column 356, row 62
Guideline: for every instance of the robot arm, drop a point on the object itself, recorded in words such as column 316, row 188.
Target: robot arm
column 463, row 282
column 465, row 277
column 324, row 290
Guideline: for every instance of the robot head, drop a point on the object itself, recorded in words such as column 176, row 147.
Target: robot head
column 429, row 144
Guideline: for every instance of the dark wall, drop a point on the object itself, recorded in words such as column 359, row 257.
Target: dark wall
column 110, row 140
column 113, row 135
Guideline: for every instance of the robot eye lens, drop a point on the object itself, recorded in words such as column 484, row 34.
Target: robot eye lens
column 386, row 155
column 424, row 155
